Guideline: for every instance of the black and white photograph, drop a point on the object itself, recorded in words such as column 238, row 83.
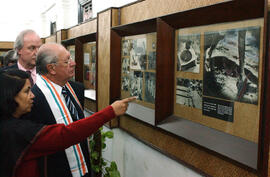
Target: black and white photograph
column 86, row 72
column 136, row 84
column 231, row 64
column 125, row 83
column 93, row 53
column 125, row 47
column 93, row 75
column 138, row 54
column 188, row 53
column 150, row 87
column 154, row 45
column 189, row 92
column 152, row 60
column 125, row 65
column 72, row 53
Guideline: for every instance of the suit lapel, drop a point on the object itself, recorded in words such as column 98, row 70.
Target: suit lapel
column 80, row 111
column 41, row 102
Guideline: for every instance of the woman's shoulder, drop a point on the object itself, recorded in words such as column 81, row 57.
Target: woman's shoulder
column 19, row 128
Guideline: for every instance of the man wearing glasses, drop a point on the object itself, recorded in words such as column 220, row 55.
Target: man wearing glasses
column 59, row 100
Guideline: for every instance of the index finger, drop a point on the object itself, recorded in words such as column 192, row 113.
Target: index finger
column 126, row 100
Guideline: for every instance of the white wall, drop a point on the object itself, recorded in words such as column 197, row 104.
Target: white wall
column 38, row 14
column 16, row 16
column 100, row 5
column 135, row 159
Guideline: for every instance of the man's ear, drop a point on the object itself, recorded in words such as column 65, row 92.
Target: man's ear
column 19, row 52
column 51, row 69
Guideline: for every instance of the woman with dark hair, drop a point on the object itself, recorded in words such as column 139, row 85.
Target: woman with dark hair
column 23, row 142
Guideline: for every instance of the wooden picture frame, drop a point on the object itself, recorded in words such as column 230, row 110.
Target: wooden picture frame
column 236, row 11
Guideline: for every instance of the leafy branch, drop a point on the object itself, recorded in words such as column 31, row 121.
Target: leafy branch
column 98, row 163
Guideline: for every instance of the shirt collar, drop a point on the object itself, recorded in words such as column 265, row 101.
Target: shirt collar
column 20, row 67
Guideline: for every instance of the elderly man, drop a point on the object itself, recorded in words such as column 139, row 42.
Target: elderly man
column 26, row 45
column 58, row 100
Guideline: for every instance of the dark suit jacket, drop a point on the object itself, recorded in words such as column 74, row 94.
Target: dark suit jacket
column 57, row 164
column 15, row 66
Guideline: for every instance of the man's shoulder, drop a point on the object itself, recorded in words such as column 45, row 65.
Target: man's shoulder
column 75, row 84
column 36, row 90
column 39, row 95
column 15, row 66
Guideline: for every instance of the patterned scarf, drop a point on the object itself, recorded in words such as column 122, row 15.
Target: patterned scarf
column 60, row 111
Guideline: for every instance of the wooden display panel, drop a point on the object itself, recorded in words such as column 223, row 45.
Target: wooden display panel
column 89, row 65
column 245, row 124
column 4, row 46
column 142, row 11
column 83, row 29
column 61, row 35
column 138, row 34
column 227, row 13
column 195, row 157
column 138, row 75
column 90, row 105
column 71, row 49
column 51, row 38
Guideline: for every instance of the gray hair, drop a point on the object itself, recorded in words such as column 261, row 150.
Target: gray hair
column 18, row 44
column 45, row 57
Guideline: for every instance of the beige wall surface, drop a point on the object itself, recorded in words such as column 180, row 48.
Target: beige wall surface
column 6, row 45
column 50, row 39
column 83, row 29
column 154, row 8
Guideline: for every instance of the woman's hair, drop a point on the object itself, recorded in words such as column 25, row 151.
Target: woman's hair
column 11, row 83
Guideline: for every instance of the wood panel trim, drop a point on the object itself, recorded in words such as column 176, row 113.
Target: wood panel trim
column 79, row 61
column 115, row 67
column 224, row 12
column 97, row 67
column 132, row 3
column 6, row 45
column 264, row 134
column 164, row 71
column 196, row 157
column 147, row 26
column 115, row 71
column 217, row 13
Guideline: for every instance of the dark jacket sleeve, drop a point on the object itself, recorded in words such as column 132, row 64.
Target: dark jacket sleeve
column 79, row 90
column 58, row 137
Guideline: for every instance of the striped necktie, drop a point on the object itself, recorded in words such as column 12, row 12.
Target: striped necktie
column 30, row 78
column 71, row 107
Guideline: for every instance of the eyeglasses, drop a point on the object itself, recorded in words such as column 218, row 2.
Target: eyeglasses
column 67, row 62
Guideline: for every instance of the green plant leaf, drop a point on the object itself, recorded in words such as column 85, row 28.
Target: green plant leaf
column 103, row 145
column 103, row 162
column 113, row 165
column 107, row 169
column 96, row 168
column 114, row 173
column 109, row 134
column 94, row 155
column 92, row 144
column 103, row 138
